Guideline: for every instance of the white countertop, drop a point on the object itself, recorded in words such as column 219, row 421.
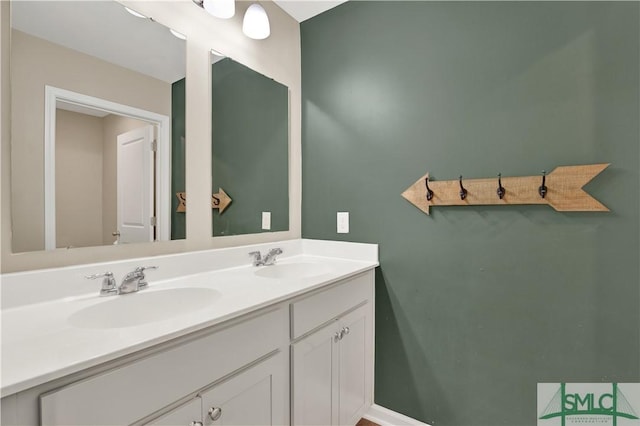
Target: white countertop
column 39, row 344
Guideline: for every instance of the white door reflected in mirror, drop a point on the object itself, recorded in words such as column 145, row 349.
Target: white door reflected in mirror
column 102, row 172
column 136, row 222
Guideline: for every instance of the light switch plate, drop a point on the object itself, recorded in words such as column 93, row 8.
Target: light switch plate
column 266, row 220
column 343, row 222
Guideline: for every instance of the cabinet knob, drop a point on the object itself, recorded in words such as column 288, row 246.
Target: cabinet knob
column 195, row 423
column 346, row 331
column 337, row 336
column 215, row 413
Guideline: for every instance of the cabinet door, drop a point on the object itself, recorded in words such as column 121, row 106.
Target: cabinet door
column 354, row 363
column 188, row 414
column 313, row 393
column 256, row 396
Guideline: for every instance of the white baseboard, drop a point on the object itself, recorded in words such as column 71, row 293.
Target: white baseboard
column 385, row 417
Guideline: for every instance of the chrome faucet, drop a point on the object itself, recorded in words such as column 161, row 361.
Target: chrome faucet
column 257, row 258
column 132, row 282
column 268, row 259
column 108, row 283
column 135, row 280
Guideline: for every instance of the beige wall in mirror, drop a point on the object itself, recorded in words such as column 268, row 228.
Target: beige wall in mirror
column 86, row 182
column 278, row 57
column 79, row 156
column 36, row 63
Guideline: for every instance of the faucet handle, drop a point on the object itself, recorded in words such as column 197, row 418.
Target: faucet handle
column 108, row 283
column 95, row 276
column 257, row 258
column 270, row 258
column 140, row 271
column 144, row 268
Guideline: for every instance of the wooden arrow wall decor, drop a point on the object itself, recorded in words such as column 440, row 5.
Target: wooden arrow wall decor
column 563, row 190
column 182, row 202
column 220, row 200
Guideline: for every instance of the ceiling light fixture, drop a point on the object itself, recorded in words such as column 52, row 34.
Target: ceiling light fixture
column 134, row 13
column 255, row 24
column 224, row 9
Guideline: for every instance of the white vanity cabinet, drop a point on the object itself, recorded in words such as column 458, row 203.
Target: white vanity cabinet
column 332, row 363
column 246, row 363
column 258, row 395
column 303, row 359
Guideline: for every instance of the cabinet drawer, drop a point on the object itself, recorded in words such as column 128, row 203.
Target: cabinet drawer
column 317, row 309
column 126, row 394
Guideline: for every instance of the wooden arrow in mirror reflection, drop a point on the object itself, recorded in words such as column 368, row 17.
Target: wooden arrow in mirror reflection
column 219, row 200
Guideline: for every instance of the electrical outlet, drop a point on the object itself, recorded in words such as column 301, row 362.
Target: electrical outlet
column 266, row 220
column 343, row 222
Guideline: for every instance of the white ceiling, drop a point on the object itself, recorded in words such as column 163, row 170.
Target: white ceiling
column 301, row 10
column 104, row 29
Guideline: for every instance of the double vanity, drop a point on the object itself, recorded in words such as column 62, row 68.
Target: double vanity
column 208, row 337
column 212, row 339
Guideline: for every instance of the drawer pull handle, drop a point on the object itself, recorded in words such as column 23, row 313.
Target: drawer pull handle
column 340, row 334
column 196, row 423
column 215, row 413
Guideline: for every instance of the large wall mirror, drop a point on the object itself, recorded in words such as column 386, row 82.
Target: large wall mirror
column 250, row 150
column 93, row 120
column 250, row 146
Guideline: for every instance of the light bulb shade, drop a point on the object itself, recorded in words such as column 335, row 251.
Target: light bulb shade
column 256, row 23
column 224, row 9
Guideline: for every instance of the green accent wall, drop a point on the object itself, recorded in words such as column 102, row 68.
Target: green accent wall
column 476, row 305
column 250, row 125
column 178, row 124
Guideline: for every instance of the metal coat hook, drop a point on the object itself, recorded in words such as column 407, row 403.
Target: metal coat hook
column 429, row 191
column 463, row 192
column 542, row 190
column 500, row 191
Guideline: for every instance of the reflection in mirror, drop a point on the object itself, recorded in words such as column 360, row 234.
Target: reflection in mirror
column 91, row 118
column 250, row 144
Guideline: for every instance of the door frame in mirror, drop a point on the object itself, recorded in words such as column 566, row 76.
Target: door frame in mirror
column 162, row 163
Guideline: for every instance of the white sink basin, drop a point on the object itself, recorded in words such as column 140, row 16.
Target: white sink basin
column 293, row 270
column 143, row 307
